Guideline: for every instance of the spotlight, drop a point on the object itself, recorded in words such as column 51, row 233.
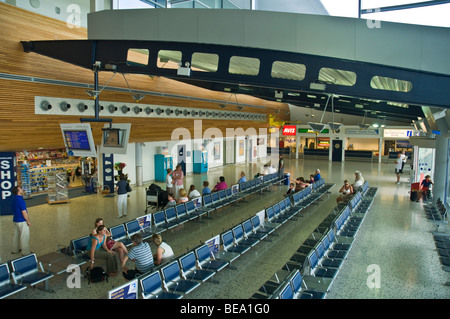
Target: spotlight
column 92, row 93
column 316, row 127
column 334, row 126
column 137, row 97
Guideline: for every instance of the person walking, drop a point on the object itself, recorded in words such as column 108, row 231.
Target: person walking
column 121, row 189
column 398, row 167
column 21, row 237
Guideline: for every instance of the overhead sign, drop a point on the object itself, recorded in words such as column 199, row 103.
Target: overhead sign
column 398, row 133
column 289, row 130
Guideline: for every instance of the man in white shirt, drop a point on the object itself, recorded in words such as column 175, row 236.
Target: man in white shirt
column 398, row 167
column 403, row 158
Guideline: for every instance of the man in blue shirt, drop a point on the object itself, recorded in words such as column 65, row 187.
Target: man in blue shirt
column 317, row 175
column 21, row 221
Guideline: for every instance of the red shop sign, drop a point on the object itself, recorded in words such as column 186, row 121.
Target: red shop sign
column 289, row 129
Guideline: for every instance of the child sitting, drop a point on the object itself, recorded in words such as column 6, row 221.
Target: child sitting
column 206, row 190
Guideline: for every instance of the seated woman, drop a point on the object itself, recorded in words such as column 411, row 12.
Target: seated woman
column 113, row 245
column 170, row 201
column 98, row 250
column 300, row 184
column 193, row 192
column 183, row 198
column 359, row 181
column 242, row 179
column 346, row 190
column 163, row 251
column 220, row 185
column 424, row 191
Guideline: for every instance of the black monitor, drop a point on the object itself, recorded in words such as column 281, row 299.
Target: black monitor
column 115, row 138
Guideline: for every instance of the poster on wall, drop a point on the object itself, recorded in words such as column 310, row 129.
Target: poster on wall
column 241, row 148
column 216, row 150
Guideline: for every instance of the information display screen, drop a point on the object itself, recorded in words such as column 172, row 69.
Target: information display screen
column 77, row 140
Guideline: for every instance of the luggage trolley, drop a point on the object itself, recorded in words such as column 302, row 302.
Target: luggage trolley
column 156, row 197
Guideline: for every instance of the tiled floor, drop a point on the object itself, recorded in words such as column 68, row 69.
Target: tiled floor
column 395, row 237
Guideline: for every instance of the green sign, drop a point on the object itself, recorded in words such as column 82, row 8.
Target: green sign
column 308, row 130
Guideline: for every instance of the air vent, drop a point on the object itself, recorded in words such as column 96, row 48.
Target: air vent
column 137, row 110
column 112, row 108
column 45, row 106
column 82, row 107
column 125, row 109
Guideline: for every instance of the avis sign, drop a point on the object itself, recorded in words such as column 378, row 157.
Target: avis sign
column 7, row 181
column 289, row 130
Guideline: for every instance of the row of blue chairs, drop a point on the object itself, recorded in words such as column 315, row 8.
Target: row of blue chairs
column 172, row 217
column 28, row 271
column 187, row 272
column 437, row 213
column 21, row 273
column 320, row 257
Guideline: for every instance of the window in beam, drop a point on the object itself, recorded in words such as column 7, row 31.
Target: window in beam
column 168, row 59
column 205, row 62
column 390, row 84
column 244, row 65
column 137, row 57
column 288, row 70
column 338, row 77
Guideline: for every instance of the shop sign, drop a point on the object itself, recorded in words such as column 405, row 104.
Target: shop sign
column 289, row 130
column 8, row 179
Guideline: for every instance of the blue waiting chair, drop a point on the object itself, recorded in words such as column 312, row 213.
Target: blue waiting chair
column 7, row 288
column 207, row 261
column 151, row 286
column 188, row 264
column 26, row 270
column 119, row 233
column 173, row 281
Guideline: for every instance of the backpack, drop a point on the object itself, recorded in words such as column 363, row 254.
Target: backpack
column 96, row 274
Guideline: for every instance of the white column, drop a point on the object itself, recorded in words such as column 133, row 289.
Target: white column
column 138, row 161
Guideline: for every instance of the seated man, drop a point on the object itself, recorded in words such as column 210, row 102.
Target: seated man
column 425, row 186
column 141, row 254
column 317, row 175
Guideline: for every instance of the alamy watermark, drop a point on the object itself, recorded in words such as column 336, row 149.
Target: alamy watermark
column 374, row 279
column 73, row 21
column 374, row 24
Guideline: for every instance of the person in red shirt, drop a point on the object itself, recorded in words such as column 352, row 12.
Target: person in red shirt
column 425, row 186
column 221, row 185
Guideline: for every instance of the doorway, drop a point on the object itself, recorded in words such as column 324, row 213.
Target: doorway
column 336, row 155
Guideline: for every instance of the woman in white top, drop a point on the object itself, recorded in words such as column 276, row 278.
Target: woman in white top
column 345, row 191
column 193, row 193
column 163, row 251
column 169, row 181
column 359, row 181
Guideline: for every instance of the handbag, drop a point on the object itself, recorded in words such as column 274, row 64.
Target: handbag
column 128, row 188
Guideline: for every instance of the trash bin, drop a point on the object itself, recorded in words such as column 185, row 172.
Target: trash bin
column 287, row 180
